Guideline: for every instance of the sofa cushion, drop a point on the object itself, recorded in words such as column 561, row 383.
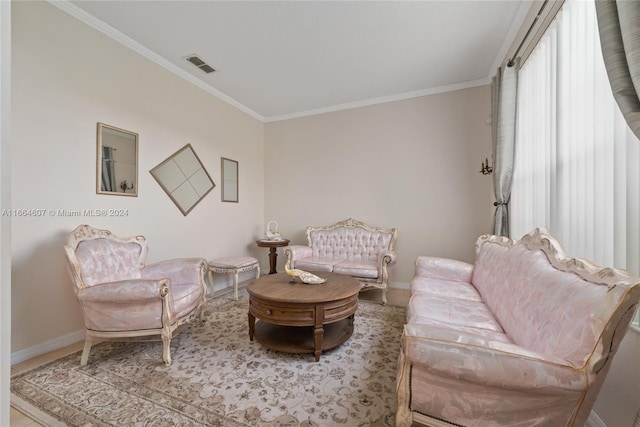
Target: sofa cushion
column 528, row 296
column 447, row 288
column 419, row 319
column 356, row 269
column 316, row 264
column 454, row 311
column 443, row 268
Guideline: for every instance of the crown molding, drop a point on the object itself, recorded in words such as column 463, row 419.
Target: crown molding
column 382, row 100
column 95, row 23
column 80, row 14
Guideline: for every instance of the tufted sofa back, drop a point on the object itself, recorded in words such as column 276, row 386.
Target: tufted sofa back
column 350, row 240
column 98, row 256
column 528, row 286
column 350, row 243
column 105, row 260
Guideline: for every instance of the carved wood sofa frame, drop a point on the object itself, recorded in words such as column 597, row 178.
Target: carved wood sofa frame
column 348, row 247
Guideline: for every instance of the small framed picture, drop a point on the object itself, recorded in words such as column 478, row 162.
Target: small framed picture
column 229, row 180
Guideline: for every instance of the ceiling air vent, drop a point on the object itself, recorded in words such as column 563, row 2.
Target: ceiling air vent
column 200, row 63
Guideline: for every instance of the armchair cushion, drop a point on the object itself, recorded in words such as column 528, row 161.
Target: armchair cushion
column 183, row 273
column 124, row 291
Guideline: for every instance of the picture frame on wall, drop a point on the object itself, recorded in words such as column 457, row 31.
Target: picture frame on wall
column 183, row 177
column 117, row 161
column 230, row 180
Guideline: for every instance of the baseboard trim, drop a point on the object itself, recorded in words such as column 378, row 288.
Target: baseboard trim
column 46, row 347
column 595, row 421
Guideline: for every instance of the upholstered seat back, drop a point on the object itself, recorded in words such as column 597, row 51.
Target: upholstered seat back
column 104, row 260
column 349, row 243
column 527, row 291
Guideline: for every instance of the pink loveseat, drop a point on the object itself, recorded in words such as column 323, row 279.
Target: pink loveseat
column 524, row 337
column 348, row 247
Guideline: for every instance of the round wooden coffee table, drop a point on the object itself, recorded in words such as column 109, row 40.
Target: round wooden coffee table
column 301, row 318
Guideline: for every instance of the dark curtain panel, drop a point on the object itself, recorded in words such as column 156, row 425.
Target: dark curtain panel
column 619, row 27
column 504, row 91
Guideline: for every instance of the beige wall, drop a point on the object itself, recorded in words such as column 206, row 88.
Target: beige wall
column 410, row 164
column 66, row 78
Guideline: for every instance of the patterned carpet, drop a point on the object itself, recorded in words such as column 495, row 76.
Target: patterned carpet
column 219, row 378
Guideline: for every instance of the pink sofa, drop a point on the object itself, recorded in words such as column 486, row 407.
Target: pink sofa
column 348, row 247
column 524, row 337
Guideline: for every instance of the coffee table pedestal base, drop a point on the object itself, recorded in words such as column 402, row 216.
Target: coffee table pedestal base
column 301, row 318
column 301, row 339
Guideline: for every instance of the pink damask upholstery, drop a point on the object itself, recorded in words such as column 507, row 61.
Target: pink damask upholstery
column 348, row 247
column 121, row 297
column 524, row 337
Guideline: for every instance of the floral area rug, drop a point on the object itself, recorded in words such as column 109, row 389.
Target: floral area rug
column 220, row 378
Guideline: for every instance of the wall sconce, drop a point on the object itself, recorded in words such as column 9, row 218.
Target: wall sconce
column 486, row 168
column 124, row 187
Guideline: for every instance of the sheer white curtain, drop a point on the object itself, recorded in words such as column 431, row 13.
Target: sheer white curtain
column 576, row 165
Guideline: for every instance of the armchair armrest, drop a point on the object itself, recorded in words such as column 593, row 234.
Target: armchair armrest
column 386, row 258
column 126, row 306
column 180, row 271
column 294, row 252
column 475, row 359
column 125, row 291
column 443, row 268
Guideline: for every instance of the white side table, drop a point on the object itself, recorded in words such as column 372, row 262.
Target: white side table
column 233, row 265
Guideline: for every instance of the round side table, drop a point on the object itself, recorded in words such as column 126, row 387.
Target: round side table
column 273, row 255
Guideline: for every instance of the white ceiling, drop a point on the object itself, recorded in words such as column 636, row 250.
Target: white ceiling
column 281, row 59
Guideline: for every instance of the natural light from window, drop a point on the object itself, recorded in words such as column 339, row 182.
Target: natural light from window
column 576, row 168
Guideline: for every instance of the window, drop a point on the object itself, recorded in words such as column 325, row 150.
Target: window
column 576, row 166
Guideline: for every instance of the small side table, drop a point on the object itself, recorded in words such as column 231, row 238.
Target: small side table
column 234, row 265
column 273, row 255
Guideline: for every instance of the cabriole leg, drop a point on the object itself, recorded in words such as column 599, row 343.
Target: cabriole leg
column 404, row 418
column 235, row 284
column 166, row 350
column 85, row 352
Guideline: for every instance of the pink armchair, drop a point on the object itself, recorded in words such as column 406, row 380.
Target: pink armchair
column 121, row 297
